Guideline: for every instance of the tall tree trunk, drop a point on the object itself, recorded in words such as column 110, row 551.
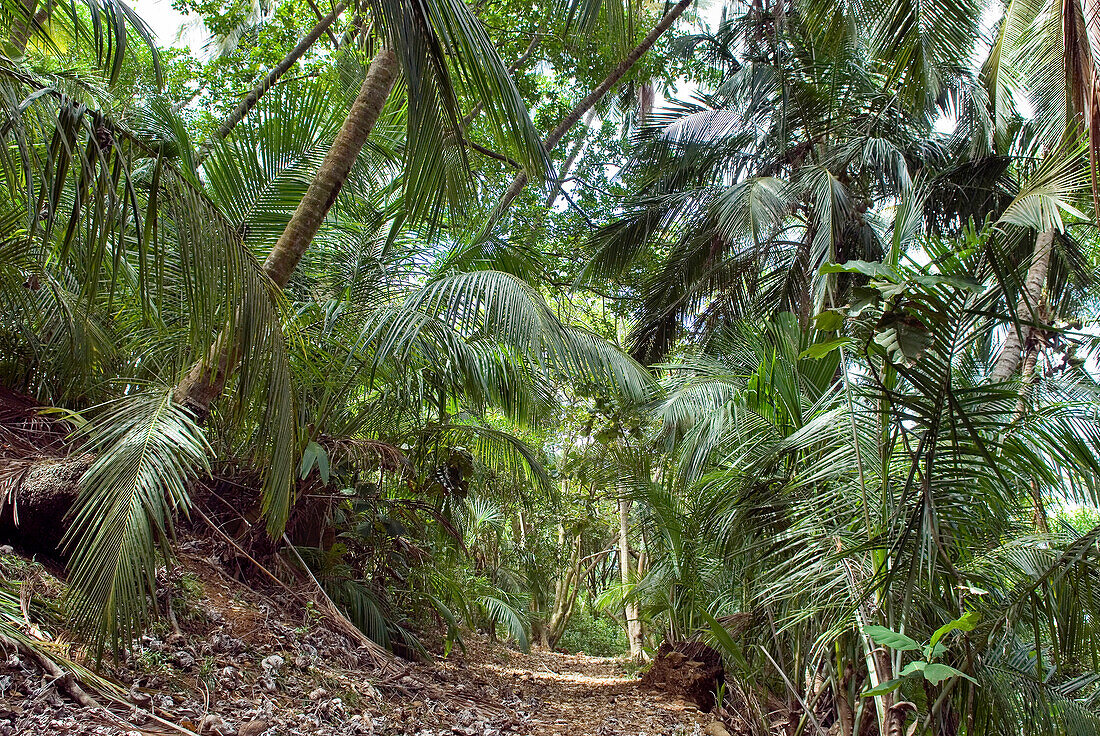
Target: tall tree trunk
column 269, row 81
column 330, row 178
column 586, row 104
column 630, row 608
column 1008, row 360
column 206, row 380
column 1033, row 349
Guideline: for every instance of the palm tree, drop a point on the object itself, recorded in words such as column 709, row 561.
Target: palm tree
column 868, row 486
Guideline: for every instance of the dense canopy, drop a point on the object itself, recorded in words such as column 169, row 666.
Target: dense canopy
column 586, row 325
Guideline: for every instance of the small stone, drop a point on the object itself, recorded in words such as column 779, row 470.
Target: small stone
column 184, row 660
column 716, row 728
column 318, row 694
column 273, row 663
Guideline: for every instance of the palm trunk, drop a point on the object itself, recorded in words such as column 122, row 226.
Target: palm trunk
column 587, row 104
column 330, row 178
column 206, row 380
column 1033, row 348
column 1008, row 360
column 630, row 608
column 21, row 26
column 272, row 77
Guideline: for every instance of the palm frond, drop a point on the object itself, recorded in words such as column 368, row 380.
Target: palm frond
column 148, row 450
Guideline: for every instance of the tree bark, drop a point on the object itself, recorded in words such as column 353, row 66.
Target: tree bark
column 36, row 494
column 330, row 178
column 630, row 608
column 269, row 81
column 21, row 27
column 1008, row 360
column 570, row 159
column 566, row 588
column 586, row 104
column 206, row 380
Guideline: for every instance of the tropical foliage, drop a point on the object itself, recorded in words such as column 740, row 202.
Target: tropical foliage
column 787, row 346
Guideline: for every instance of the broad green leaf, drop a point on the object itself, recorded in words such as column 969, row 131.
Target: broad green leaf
column 309, row 458
column 867, row 268
column 892, row 639
column 830, row 320
column 958, row 282
column 913, row 668
column 936, row 673
column 966, row 622
column 821, row 349
column 885, row 687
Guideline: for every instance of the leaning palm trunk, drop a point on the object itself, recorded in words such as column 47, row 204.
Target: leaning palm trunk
column 1008, row 360
column 582, row 107
column 206, row 380
column 271, row 79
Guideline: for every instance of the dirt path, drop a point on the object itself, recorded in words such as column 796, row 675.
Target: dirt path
column 246, row 664
column 552, row 694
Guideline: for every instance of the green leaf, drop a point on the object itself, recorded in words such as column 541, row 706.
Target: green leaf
column 821, row 349
column 936, row 673
column 867, row 268
column 892, row 639
column 883, row 688
column 722, row 636
column 314, row 454
column 323, row 466
column 913, row 668
column 967, row 622
column 830, row 320
column 309, row 457
column 965, row 283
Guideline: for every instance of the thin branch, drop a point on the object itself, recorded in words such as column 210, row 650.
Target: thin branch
column 584, row 106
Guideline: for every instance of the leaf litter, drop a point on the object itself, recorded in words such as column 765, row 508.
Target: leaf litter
column 239, row 662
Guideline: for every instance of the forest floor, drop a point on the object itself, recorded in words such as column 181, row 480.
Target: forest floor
column 239, row 662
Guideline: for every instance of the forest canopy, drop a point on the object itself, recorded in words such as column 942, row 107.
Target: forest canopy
column 597, row 325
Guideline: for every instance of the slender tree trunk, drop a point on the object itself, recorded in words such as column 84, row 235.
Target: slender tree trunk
column 330, row 178
column 1008, row 360
column 566, row 589
column 570, row 159
column 272, row 77
column 23, row 27
column 630, row 608
column 206, row 380
column 586, row 104
column 1033, row 348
